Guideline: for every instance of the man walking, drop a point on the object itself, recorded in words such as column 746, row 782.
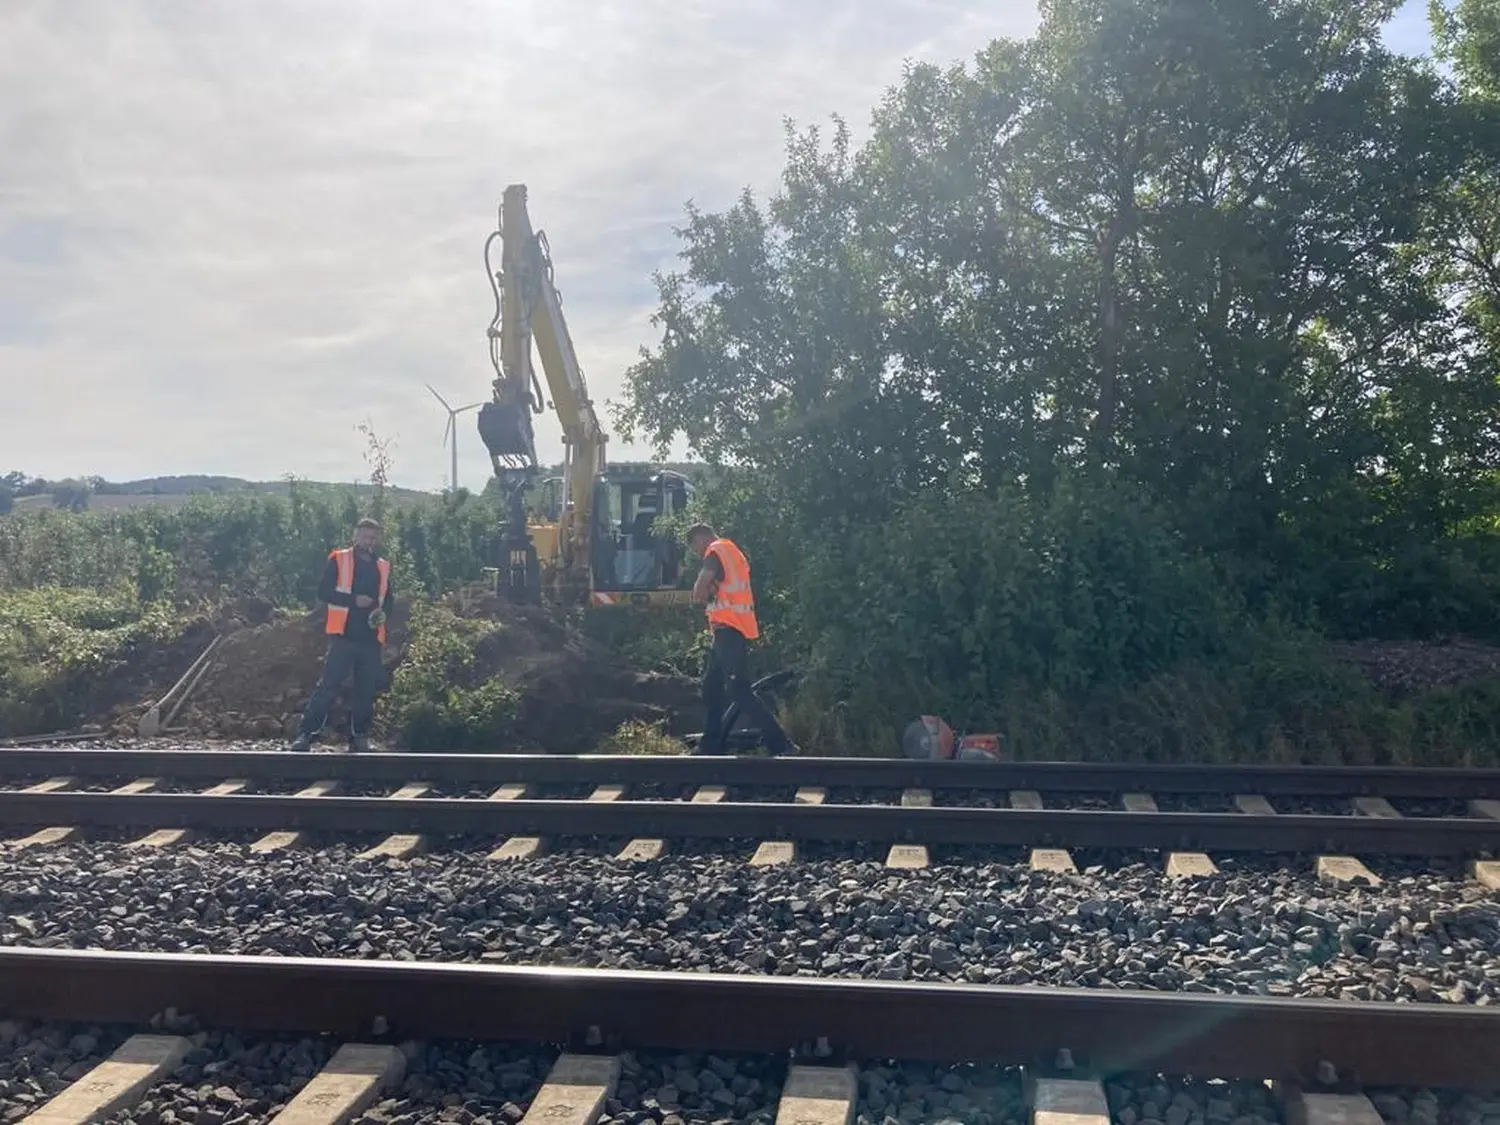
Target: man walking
column 356, row 586
column 723, row 586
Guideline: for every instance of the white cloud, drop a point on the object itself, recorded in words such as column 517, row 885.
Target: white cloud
column 228, row 232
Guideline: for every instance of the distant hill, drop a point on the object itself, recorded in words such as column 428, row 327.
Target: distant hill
column 198, row 485
column 174, row 491
column 21, row 493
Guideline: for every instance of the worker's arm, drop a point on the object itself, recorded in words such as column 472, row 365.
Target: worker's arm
column 327, row 592
column 390, row 595
column 709, row 576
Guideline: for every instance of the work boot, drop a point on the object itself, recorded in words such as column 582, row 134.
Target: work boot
column 360, row 744
column 302, row 743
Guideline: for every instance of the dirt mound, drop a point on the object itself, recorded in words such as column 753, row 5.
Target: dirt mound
column 1407, row 667
column 573, row 692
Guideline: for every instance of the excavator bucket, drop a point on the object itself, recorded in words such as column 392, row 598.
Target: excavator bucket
column 505, row 429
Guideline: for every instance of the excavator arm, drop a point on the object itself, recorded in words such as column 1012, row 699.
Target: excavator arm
column 529, row 310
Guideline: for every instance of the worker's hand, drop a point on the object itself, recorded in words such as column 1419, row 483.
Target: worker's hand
column 377, row 619
column 364, row 601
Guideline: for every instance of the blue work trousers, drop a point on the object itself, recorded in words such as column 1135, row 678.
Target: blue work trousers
column 346, row 658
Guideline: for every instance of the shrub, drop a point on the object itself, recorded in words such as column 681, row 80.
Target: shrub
column 440, row 698
column 58, row 647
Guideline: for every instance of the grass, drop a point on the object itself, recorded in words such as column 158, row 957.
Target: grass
column 640, row 737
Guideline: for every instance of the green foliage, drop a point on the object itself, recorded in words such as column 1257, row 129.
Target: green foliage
column 964, row 599
column 57, row 647
column 671, row 641
column 440, row 697
column 639, row 737
column 238, row 544
column 1112, row 371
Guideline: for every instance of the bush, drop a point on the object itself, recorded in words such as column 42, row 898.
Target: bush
column 58, row 647
column 214, row 547
column 440, row 699
column 965, row 600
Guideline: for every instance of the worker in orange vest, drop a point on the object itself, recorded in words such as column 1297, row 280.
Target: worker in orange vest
column 356, row 586
column 723, row 586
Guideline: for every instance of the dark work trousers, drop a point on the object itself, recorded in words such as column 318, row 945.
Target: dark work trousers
column 345, row 658
column 726, row 679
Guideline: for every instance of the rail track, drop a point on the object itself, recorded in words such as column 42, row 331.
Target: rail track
column 1069, row 1041
column 648, row 802
column 1066, row 1039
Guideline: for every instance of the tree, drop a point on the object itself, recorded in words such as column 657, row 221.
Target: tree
column 1174, row 244
column 378, row 457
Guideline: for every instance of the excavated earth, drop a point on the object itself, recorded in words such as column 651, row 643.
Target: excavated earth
column 573, row 691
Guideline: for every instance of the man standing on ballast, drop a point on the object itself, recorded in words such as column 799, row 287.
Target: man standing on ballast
column 356, row 586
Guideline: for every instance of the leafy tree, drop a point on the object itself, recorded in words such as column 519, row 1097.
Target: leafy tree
column 1227, row 260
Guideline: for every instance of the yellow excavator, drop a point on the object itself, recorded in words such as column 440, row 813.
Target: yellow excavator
column 585, row 537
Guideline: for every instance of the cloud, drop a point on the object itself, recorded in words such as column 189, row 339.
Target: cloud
column 229, row 232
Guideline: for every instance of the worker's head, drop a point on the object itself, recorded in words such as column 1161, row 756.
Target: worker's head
column 699, row 536
column 367, row 536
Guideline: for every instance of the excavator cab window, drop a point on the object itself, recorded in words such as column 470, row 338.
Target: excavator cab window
column 549, row 500
column 629, row 554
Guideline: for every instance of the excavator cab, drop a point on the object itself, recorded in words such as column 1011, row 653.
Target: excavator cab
column 633, row 561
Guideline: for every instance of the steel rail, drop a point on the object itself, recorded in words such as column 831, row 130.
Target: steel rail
column 894, row 773
column 1107, row 1032
column 1426, row 836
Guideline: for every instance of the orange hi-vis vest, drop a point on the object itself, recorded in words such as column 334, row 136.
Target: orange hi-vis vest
column 733, row 604
column 338, row 615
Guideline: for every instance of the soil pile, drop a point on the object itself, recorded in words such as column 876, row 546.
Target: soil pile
column 573, row 692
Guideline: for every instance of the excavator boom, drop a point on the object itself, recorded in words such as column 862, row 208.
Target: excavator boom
column 604, row 554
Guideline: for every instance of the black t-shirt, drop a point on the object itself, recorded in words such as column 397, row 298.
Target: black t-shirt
column 714, row 565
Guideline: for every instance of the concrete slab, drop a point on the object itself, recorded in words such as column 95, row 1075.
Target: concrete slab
column 818, row 1095
column 576, row 1089
column 356, row 1075
column 117, row 1083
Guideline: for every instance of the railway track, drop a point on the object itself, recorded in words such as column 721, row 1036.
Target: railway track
column 1068, row 1043
column 1076, row 1048
column 1335, row 815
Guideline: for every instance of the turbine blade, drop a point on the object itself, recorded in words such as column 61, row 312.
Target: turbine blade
column 439, row 397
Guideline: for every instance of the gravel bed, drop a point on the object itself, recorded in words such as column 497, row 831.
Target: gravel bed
column 695, row 1089
column 1081, row 801
column 661, row 792
column 38, row 1060
column 1431, row 806
column 1290, row 804
column 227, row 1080
column 463, row 791
column 164, row 785
column 972, row 798
column 1415, row 1106
column 763, row 794
column 915, row 1093
column 860, row 795
column 1171, row 1100
column 491, row 1084
column 1276, row 932
column 1194, row 802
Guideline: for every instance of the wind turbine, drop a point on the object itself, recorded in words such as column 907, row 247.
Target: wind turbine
column 452, row 430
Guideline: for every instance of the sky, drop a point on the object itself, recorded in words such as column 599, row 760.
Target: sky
column 230, row 232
